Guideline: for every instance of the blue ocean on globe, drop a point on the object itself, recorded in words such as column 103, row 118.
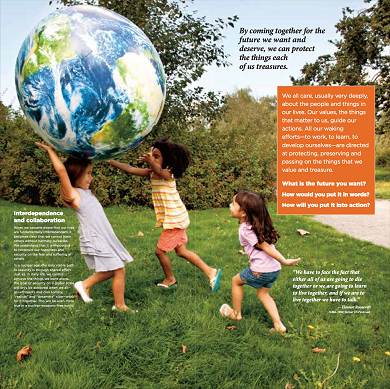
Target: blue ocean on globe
column 90, row 82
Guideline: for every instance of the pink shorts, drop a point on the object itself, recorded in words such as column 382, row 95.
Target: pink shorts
column 170, row 239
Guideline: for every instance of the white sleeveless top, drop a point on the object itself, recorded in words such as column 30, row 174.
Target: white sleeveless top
column 96, row 234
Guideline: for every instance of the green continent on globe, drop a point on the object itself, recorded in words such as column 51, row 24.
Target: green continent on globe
column 52, row 44
column 124, row 128
column 135, row 72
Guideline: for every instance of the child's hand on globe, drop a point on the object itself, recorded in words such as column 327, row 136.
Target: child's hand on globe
column 44, row 146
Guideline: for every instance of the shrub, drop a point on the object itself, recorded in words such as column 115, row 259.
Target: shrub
column 237, row 152
column 382, row 150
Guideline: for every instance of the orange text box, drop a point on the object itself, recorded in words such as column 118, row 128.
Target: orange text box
column 326, row 152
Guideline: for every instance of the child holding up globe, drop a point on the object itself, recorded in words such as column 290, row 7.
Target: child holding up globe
column 103, row 252
column 257, row 236
column 168, row 161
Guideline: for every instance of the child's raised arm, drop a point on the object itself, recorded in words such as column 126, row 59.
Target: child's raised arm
column 136, row 171
column 272, row 252
column 68, row 193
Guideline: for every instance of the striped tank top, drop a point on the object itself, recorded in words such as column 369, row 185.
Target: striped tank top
column 170, row 211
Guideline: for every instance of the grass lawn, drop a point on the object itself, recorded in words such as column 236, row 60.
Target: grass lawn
column 382, row 182
column 89, row 347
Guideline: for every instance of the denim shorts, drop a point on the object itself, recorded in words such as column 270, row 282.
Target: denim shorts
column 259, row 280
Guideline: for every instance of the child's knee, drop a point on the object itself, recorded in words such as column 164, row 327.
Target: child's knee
column 159, row 252
column 180, row 251
column 236, row 280
column 263, row 293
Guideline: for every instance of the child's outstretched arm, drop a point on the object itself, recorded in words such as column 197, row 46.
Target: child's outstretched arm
column 271, row 251
column 136, row 171
column 68, row 193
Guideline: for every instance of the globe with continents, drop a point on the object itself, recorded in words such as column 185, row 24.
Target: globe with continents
column 90, row 82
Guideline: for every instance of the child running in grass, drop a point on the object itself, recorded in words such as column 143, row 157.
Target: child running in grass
column 103, row 252
column 257, row 236
column 168, row 161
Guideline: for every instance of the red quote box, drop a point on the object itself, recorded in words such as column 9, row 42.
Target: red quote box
column 326, row 152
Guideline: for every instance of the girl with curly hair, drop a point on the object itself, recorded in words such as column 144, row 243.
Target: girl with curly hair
column 167, row 162
column 257, row 236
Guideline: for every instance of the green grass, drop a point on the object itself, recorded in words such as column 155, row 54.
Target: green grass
column 89, row 347
column 382, row 182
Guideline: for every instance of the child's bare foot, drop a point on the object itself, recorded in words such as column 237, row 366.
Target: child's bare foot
column 123, row 308
column 229, row 312
column 279, row 327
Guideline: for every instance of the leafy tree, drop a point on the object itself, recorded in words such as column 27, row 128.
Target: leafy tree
column 237, row 152
column 361, row 57
column 25, row 173
column 187, row 44
column 247, row 133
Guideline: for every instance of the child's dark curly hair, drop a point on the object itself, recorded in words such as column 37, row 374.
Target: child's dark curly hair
column 176, row 157
column 257, row 216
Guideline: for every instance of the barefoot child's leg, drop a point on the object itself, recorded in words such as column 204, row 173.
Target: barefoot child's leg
column 165, row 263
column 270, row 306
column 118, row 289
column 237, row 295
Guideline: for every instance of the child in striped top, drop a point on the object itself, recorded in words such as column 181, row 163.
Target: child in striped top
column 168, row 161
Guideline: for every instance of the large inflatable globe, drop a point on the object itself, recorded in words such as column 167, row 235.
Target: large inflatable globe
column 90, row 82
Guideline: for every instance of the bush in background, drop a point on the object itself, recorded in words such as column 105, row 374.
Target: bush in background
column 382, row 150
column 236, row 152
